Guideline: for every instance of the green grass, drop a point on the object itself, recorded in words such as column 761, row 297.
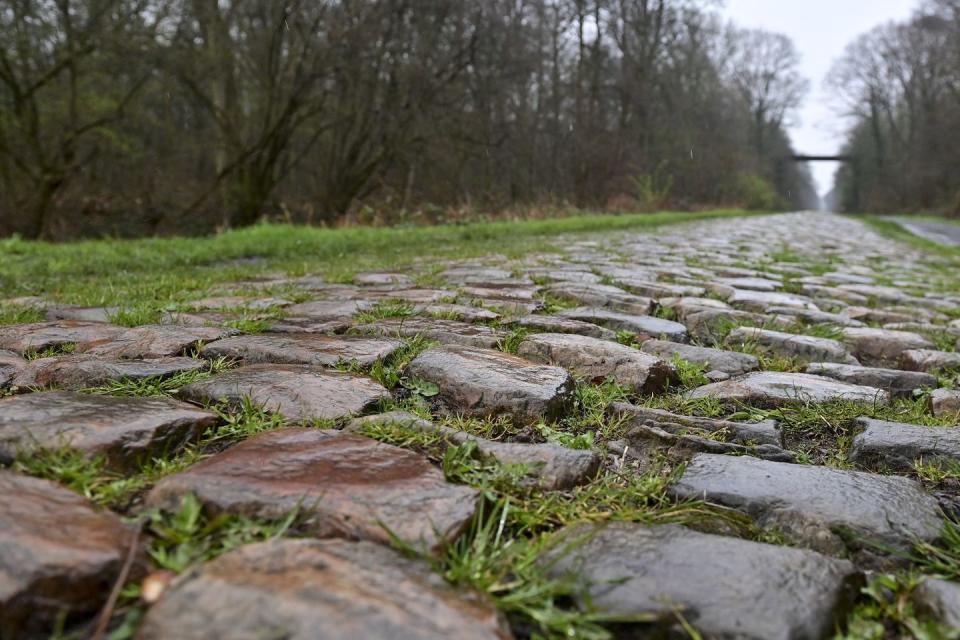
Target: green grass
column 385, row 310
column 145, row 275
column 893, row 230
column 819, row 432
column 389, row 371
column 886, row 611
column 160, row 386
column 186, row 537
column 19, row 314
column 510, row 343
column 691, row 375
column 50, row 352
column 502, row 552
column 92, row 479
column 941, row 558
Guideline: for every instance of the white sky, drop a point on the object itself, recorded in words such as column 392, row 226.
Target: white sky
column 821, row 29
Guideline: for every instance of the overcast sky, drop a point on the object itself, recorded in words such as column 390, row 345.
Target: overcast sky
column 821, row 29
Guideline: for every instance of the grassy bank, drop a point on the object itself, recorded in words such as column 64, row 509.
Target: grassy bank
column 148, row 271
column 893, row 230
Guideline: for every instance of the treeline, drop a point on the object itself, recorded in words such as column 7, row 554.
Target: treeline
column 130, row 117
column 900, row 84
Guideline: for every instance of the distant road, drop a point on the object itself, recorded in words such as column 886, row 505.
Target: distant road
column 945, row 233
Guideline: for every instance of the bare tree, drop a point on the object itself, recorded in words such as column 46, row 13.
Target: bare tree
column 62, row 83
column 764, row 67
column 160, row 116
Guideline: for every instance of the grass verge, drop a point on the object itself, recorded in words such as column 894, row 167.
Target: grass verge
column 158, row 271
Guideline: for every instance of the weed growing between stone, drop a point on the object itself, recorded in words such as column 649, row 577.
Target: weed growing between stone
column 50, row 352
column 177, row 541
column 389, row 372
column 182, row 539
column 19, row 314
column 511, row 343
column 938, row 472
column 139, row 314
column 692, row 375
column 385, row 310
column 502, row 553
column 886, row 610
column 160, row 387
column 92, row 478
column 941, row 558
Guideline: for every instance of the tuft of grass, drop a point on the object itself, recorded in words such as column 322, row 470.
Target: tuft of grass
column 677, row 403
column 139, row 314
column 385, row 310
column 250, row 325
column 489, row 428
column 692, row 375
column 942, row 557
column 937, row 472
column 667, row 313
column 589, row 411
column 886, row 610
column 554, row 304
column 159, row 386
column 244, row 421
column 769, row 361
column 187, row 537
column 511, row 342
column 785, row 254
column 584, row 440
column 389, row 371
column 944, row 340
column 52, row 351
column 19, row 314
column 91, row 478
column 432, row 443
column 830, row 331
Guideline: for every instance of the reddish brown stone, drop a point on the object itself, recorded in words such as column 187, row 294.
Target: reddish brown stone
column 80, row 372
column 344, row 485
column 155, row 341
column 328, row 310
column 238, row 302
column 320, row 590
column 297, row 392
column 484, row 383
column 442, row 331
column 26, row 338
column 125, row 430
column 83, row 314
column 57, row 555
column 10, row 365
column 598, row 360
column 552, row 466
column 302, row 349
column 309, row 325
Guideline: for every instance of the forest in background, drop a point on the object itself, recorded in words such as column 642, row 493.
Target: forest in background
column 135, row 117
column 900, row 85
